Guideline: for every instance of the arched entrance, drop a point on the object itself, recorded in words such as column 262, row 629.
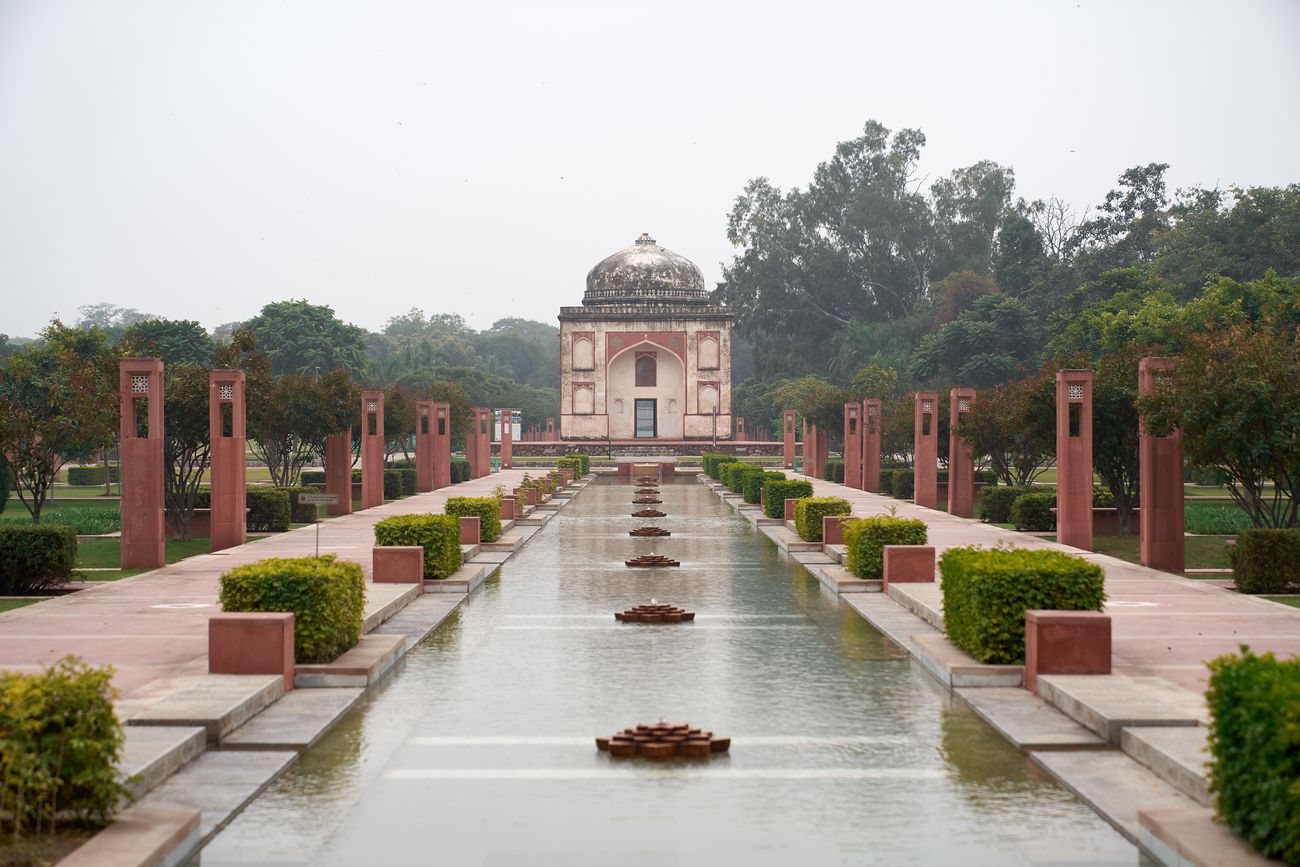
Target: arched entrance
column 645, row 393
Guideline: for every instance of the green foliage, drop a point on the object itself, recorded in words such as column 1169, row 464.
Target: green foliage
column 300, row 513
column 89, row 476
column 1254, row 730
column 87, row 520
column 438, row 534
column 35, row 558
column 983, row 346
column 865, row 540
column 312, row 477
column 874, row 381
column 584, row 462
column 302, row 338
column 1015, row 425
column 809, row 511
column 986, row 593
column 175, row 341
column 725, row 469
column 709, row 464
column 996, row 502
column 777, row 491
column 486, row 509
column 834, row 471
column 61, row 747
column 740, row 473
column 459, row 471
column 290, row 417
column 326, row 595
column 1266, row 561
column 269, row 509
column 754, row 483
column 902, row 484
column 410, row 480
column 6, row 484
column 392, row 484
column 1214, row 520
column 1034, row 512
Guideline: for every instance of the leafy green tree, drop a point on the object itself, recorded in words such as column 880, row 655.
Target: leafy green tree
column 58, row 399
column 175, row 341
column 289, row 424
column 110, row 319
column 969, row 206
column 1125, row 231
column 1150, row 317
column 1236, row 396
column 874, row 381
column 303, row 338
column 399, row 421
column 1115, row 427
column 982, row 346
column 1015, row 426
column 1020, row 262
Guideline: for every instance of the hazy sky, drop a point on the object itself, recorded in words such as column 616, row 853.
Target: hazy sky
column 199, row 159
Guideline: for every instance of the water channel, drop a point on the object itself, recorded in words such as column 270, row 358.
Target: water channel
column 479, row 749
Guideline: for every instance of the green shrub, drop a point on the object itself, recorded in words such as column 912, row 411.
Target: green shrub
column 1254, row 730
column 1034, row 512
column 438, row 534
column 86, row 520
column 35, row 557
column 459, row 471
column 865, row 540
column 269, row 510
column 754, row 483
column 326, row 595
column 834, row 471
column 986, row 593
column 299, row 513
column 1266, row 561
column 356, row 476
column 725, row 469
column 93, row 475
column 903, row 484
column 708, row 464
column 583, row 466
column 392, row 484
column 1212, row 476
column 777, row 491
column 486, row 509
column 571, row 463
column 1102, row 498
column 809, row 511
column 410, row 480
column 741, row 473
column 996, row 502
column 6, row 484
column 61, row 747
column 1212, row 519
column 312, row 477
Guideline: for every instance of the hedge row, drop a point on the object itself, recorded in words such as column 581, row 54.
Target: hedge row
column 269, row 509
column 1266, row 561
column 93, row 475
column 486, row 509
column 326, row 595
column 809, row 511
column 1034, row 512
column 741, row 473
column 865, row 540
column 834, row 471
column 35, row 557
column 1254, row 704
column 579, row 463
column 986, row 593
column 439, row 535
column 753, row 492
column 777, row 491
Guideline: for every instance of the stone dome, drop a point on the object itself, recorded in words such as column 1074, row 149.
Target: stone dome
column 645, row 273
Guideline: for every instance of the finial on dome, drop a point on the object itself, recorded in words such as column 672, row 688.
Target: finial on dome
column 645, row 239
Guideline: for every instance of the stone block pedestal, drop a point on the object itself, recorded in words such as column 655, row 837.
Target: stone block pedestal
column 1065, row 642
column 252, row 642
column 789, row 509
column 398, row 564
column 908, row 564
column 469, row 531
column 833, row 530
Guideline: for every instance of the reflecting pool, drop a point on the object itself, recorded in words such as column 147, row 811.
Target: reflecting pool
column 479, row 748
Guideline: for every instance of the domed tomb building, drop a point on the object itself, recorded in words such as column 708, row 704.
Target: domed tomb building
column 646, row 356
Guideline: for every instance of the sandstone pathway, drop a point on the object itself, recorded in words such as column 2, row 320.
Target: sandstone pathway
column 1162, row 624
column 153, row 628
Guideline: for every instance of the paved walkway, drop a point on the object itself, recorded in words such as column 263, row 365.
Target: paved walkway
column 1162, row 624
column 153, row 628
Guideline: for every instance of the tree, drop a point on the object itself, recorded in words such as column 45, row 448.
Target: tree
column 289, row 424
column 874, row 381
column 1236, row 396
column 969, row 206
column 1014, row 424
column 110, row 319
column 1128, row 223
column 187, row 444
column 982, row 346
column 175, row 341
column 303, row 338
column 399, row 421
column 58, row 399
column 1115, row 427
column 817, row 400
column 898, row 429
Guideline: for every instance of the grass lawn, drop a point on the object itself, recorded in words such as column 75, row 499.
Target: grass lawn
column 1293, row 601
column 107, row 554
column 1201, row 552
column 64, row 491
column 11, row 604
column 14, row 506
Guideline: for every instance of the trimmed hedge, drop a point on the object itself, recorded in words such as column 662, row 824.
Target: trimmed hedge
column 486, row 509
column 61, row 749
column 1266, row 561
column 35, row 557
column 986, row 593
column 392, row 484
column 582, row 467
column 93, row 475
column 753, row 492
column 725, row 469
column 1254, row 730
column 709, row 463
column 865, row 540
column 269, row 510
column 834, row 471
column 1034, row 512
column 299, row 513
column 996, row 502
column 326, row 595
column 311, row 477
column 777, row 491
column 459, row 471
column 741, row 474
column 410, row 480
column 438, row 534
column 902, row 484
column 809, row 511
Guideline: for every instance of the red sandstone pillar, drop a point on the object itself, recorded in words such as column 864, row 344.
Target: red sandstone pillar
column 740, row 429
column 961, row 457
column 372, row 449
column 441, row 445
column 1074, row 458
column 925, row 441
column 550, row 430
column 141, row 460
column 853, row 445
column 811, row 453
column 484, row 441
column 507, row 437
column 823, row 451
column 1160, row 482
column 424, row 424
column 788, row 450
column 338, row 471
column 228, row 435
column 871, row 446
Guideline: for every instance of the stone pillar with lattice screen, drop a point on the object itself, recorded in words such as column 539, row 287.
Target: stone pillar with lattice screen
column 788, row 420
column 372, row 449
column 1074, row 458
column 925, row 441
column 229, row 471
column 871, row 421
column 507, row 417
column 441, row 427
column 853, row 445
column 140, row 390
column 338, row 471
column 425, row 423
column 1160, row 480
column 961, row 458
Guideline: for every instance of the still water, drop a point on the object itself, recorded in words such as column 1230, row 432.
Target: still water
column 479, row 749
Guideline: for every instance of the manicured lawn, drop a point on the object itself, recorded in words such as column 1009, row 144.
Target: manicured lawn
column 14, row 506
column 1201, row 552
column 11, row 604
column 107, row 554
column 1293, row 601
column 63, row 491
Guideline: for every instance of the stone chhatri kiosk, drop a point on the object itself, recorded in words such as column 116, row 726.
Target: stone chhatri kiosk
column 646, row 356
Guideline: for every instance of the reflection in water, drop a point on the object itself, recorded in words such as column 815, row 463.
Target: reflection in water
column 479, row 749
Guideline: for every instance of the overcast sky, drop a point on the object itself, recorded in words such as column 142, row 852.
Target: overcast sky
column 199, row 159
